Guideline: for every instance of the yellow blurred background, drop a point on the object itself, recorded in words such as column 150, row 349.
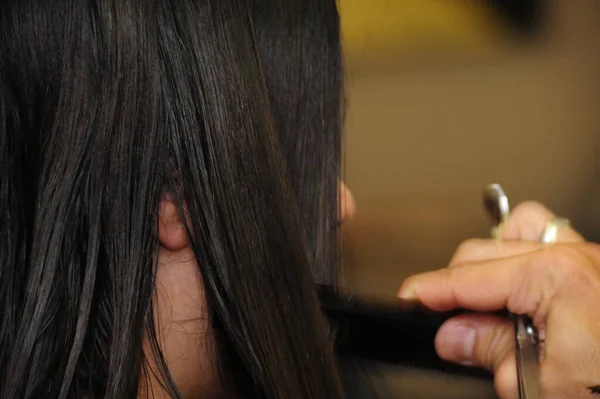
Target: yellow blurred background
column 392, row 27
column 443, row 99
column 376, row 25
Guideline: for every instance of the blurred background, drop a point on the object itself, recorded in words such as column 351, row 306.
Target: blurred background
column 447, row 96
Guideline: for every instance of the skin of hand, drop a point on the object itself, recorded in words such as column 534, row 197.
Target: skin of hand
column 557, row 285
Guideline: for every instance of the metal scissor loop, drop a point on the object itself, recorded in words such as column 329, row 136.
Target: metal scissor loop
column 526, row 336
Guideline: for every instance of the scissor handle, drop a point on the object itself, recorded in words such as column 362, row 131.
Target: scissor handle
column 526, row 338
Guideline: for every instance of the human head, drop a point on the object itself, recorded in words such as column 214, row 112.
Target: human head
column 115, row 112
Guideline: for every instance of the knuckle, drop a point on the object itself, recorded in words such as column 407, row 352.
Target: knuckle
column 467, row 250
column 454, row 275
column 568, row 263
column 530, row 208
column 549, row 274
column 527, row 220
column 593, row 250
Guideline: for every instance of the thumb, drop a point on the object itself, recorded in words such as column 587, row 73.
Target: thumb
column 483, row 341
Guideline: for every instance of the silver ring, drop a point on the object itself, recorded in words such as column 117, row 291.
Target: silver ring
column 550, row 234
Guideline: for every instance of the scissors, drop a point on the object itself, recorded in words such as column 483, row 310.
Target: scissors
column 526, row 335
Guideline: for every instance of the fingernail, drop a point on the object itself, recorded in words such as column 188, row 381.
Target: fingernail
column 408, row 293
column 460, row 338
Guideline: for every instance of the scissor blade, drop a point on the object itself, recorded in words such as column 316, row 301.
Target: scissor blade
column 527, row 361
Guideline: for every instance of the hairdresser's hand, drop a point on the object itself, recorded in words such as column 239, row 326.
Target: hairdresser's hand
column 557, row 285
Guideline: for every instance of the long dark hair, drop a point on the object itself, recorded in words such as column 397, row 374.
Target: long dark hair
column 234, row 106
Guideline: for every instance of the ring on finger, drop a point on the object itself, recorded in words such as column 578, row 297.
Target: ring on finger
column 550, row 234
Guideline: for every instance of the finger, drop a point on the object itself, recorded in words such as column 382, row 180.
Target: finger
column 347, row 203
column 518, row 283
column 505, row 378
column 522, row 284
column 528, row 221
column 483, row 341
column 475, row 250
column 475, row 339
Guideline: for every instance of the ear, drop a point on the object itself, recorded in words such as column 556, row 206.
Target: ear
column 171, row 231
column 347, row 204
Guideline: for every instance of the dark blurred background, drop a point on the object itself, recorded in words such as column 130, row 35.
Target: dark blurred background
column 445, row 97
